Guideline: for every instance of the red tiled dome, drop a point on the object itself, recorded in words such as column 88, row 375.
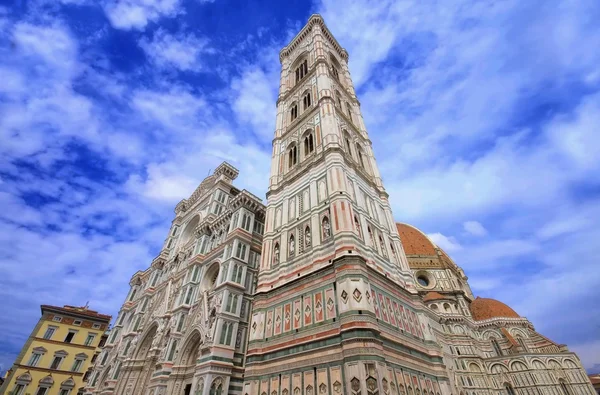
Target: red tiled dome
column 414, row 241
column 484, row 309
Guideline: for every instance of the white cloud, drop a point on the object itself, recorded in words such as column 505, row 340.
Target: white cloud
column 136, row 14
column 175, row 109
column 448, row 244
column 474, row 228
column 255, row 96
column 181, row 51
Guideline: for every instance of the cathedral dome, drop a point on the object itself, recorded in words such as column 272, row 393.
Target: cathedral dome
column 414, row 241
column 484, row 309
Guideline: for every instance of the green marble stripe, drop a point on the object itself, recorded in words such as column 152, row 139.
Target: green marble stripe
column 214, row 358
column 345, row 336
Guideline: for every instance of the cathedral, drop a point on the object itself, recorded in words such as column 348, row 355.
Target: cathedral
column 320, row 291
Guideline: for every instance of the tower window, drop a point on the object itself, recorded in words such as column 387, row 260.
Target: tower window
column 294, row 112
column 276, row 254
column 371, row 238
column 335, row 66
column 306, row 100
column 301, row 71
column 347, row 143
column 357, row 226
column 292, row 246
column 349, row 110
column 309, row 144
column 338, row 96
column 292, row 156
column 360, row 156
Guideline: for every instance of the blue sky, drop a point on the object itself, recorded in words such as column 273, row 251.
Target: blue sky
column 484, row 117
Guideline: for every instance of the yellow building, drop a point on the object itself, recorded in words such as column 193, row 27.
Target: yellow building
column 61, row 348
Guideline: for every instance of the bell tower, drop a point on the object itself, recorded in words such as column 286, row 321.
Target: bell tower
column 335, row 297
column 325, row 198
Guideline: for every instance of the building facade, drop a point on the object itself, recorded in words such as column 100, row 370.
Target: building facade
column 184, row 324
column 60, row 351
column 319, row 292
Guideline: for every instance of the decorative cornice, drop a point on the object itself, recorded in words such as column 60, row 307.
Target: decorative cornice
column 314, row 20
column 227, row 170
column 249, row 201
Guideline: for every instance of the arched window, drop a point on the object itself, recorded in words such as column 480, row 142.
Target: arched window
column 360, row 156
column 292, row 246
column 309, row 144
column 301, row 70
column 357, row 226
column 229, row 302
column 335, row 72
column 293, row 112
column 238, row 278
column 338, row 96
column 292, row 156
column 563, row 387
column 132, row 294
column 347, row 143
column 382, row 245
column 371, row 238
column 276, row 254
column 326, row 228
column 307, row 237
column 393, row 252
column 349, row 110
column 335, row 67
column 510, row 390
column 234, row 273
column 447, row 307
column 496, row 347
column 306, row 101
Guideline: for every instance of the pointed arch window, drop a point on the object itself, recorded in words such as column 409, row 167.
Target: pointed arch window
column 371, row 237
column 309, row 144
column 338, row 97
column 301, row 70
column 276, row 254
column 382, row 246
column 349, row 110
column 117, row 371
column 496, row 347
column 359, row 152
column 292, row 246
column 306, row 101
column 347, row 143
column 393, row 251
column 307, row 237
column 292, row 156
column 326, row 227
column 357, row 226
column 293, row 112
column 563, row 387
column 335, row 66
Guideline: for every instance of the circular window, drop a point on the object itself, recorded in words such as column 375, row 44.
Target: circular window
column 424, row 281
